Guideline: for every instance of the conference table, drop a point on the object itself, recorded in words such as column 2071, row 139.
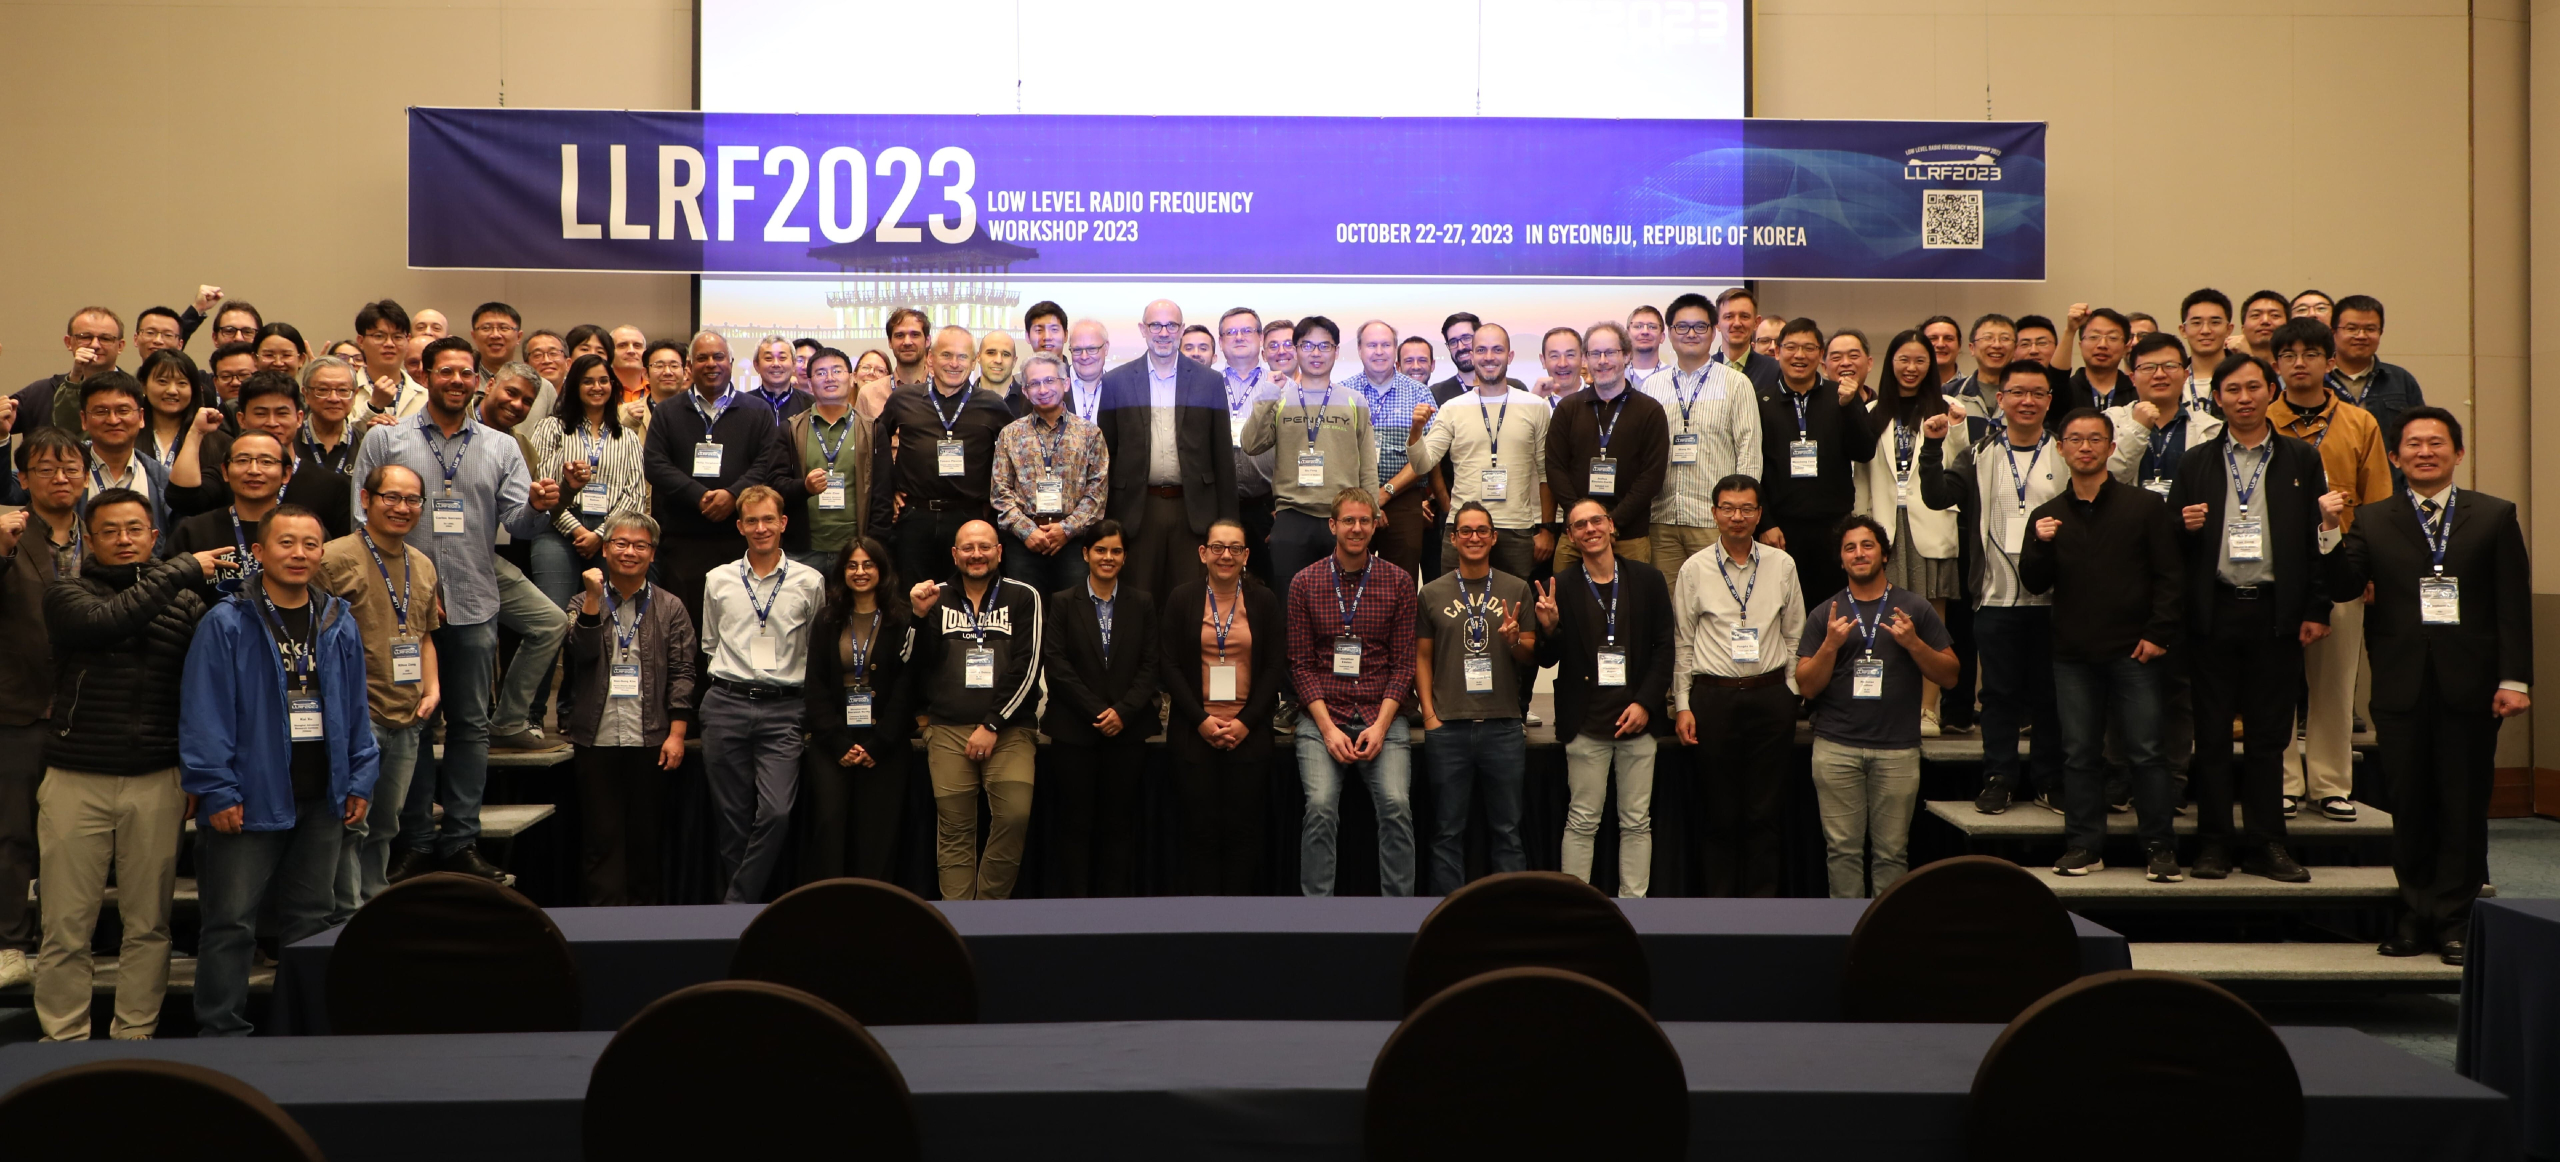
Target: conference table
column 2510, row 1036
column 1267, row 1091
column 1186, row 958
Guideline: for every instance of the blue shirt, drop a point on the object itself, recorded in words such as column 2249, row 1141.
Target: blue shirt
column 1390, row 416
column 491, row 482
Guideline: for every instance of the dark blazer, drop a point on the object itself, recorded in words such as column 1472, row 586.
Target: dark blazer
column 893, row 714
column 1644, row 630
column 1204, row 440
column 1081, row 686
column 2080, row 393
column 2292, row 485
column 2486, row 554
column 1178, row 643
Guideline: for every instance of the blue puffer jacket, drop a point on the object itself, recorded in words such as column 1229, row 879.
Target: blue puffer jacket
column 235, row 746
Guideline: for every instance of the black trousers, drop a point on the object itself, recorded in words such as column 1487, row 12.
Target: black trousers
column 1817, row 557
column 2247, row 668
column 1255, row 512
column 623, row 796
column 1745, row 739
column 1093, row 791
column 684, row 561
column 1225, row 798
column 2437, row 762
column 922, row 541
column 1163, row 552
column 854, row 811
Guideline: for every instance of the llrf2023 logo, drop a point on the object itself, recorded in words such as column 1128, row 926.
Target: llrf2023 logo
column 1951, row 163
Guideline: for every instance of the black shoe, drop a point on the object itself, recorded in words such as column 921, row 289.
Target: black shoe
column 2076, row 862
column 2292, row 806
column 2338, row 809
column 2402, row 946
column 410, row 861
column 2212, row 863
column 2450, row 951
column 2163, row 866
column 526, row 741
column 468, row 862
column 2275, row 863
column 1994, row 798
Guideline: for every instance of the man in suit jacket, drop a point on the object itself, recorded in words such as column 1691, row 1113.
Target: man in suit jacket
column 1173, row 469
column 2451, row 636
column 2249, row 501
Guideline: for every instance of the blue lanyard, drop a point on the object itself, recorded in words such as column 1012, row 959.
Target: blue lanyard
column 2440, row 534
column 933, row 395
column 747, row 576
column 428, row 426
column 1084, row 410
column 977, row 629
column 776, row 404
column 1742, row 596
column 1903, row 436
column 594, row 444
column 1351, row 611
column 624, row 635
column 2231, row 458
column 1802, row 400
column 1050, row 442
column 861, row 648
column 1613, row 601
column 1477, row 607
column 1695, row 392
column 2161, row 438
column 248, row 565
column 1104, row 609
column 1218, row 626
column 132, row 468
column 2016, row 477
column 1249, row 381
column 1309, row 419
column 818, row 431
column 711, row 417
column 1623, row 392
column 1866, row 628
column 1493, row 428
column 399, row 600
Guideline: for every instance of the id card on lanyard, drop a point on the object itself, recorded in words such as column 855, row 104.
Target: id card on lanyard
column 1495, row 478
column 2013, row 533
column 2439, row 596
column 1804, row 455
column 447, row 509
column 2247, row 535
column 1346, row 646
column 408, row 665
column 949, row 457
column 1604, row 469
column 832, row 499
column 706, row 455
column 1866, row 674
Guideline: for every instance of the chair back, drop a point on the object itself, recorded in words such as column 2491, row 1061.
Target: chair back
column 2156, row 1061
column 746, row 1069
column 1971, row 939
column 1533, row 1064
column 451, row 953
column 875, row 950
column 1524, row 919
column 149, row 1109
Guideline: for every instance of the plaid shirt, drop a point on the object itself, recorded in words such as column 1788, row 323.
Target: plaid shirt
column 1391, row 417
column 1081, row 460
column 1384, row 624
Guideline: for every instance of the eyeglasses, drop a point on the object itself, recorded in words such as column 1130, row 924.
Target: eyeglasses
column 1313, row 347
column 1082, row 352
column 627, row 545
column 114, row 413
column 1241, row 332
column 1357, row 522
column 1174, row 328
column 2157, row 366
column 256, row 462
column 57, row 472
column 97, row 340
column 1588, row 522
column 332, row 393
column 1737, row 510
column 235, row 334
column 400, row 501
column 2359, row 329
column 1473, row 532
column 1693, row 330
column 2086, row 441
column 495, row 329
column 1225, row 550
column 2024, row 393
column 2293, row 356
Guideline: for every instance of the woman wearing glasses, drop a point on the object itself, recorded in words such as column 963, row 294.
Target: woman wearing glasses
column 1225, row 660
column 1924, row 539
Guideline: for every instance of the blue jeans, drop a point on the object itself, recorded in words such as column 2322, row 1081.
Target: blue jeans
column 1497, row 749
column 2085, row 694
column 542, row 625
column 1390, row 779
column 364, row 867
column 2016, row 648
column 465, row 658
column 234, row 874
column 1047, row 572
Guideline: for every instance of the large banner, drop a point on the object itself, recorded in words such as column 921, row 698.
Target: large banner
column 1404, row 199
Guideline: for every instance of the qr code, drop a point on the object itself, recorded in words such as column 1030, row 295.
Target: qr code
column 1951, row 219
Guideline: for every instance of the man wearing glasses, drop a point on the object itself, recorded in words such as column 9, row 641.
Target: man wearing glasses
column 1400, row 410
column 1472, row 650
column 1319, row 436
column 1088, row 348
column 1351, row 634
column 111, row 414
column 1173, row 467
column 1240, row 342
column 496, row 329
column 270, row 403
column 1815, row 432
column 1714, row 419
column 2361, row 377
column 390, row 591
column 382, row 330
column 1735, row 610
column 95, row 338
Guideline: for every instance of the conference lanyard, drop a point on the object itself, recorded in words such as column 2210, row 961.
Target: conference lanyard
column 469, row 429
column 844, row 431
column 2322, row 415
column 1249, row 382
column 1902, row 445
column 711, row 416
column 1348, row 612
column 1476, row 607
column 1867, row 629
column 1802, row 400
column 132, row 467
column 1613, row 603
column 1697, row 391
column 933, row 396
column 2231, row 458
column 591, row 436
column 1493, row 428
column 1307, row 418
column 2161, row 438
column 2337, row 381
column 1087, row 405
column 2020, row 478
column 1220, row 626
column 2439, row 534
column 977, row 628
column 1104, row 609
column 625, row 634
column 248, row 565
column 860, row 648
column 747, row 576
column 1612, row 426
column 1051, row 441
column 399, row 600
column 1742, row 596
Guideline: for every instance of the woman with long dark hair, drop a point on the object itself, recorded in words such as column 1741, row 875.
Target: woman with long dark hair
column 171, row 398
column 1924, row 539
column 860, row 724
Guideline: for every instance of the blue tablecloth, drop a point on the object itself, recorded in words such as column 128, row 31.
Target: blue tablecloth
column 1184, row 958
column 2510, row 1038
column 1267, row 1091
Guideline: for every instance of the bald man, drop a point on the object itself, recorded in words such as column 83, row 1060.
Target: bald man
column 1172, row 445
column 933, row 458
column 976, row 670
column 997, row 355
column 702, row 450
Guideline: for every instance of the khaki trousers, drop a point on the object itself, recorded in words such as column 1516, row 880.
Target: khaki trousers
column 1006, row 775
column 1673, row 545
column 82, row 823
column 2329, row 669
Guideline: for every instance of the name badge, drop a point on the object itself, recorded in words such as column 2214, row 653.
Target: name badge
column 408, row 664
column 947, row 459
column 2439, row 601
column 978, row 669
column 2013, row 535
column 1684, row 449
column 1902, row 487
column 1866, row 677
column 1049, row 496
column 1497, row 484
column 448, row 517
column 1310, row 469
column 1804, row 459
column 624, row 681
column 1613, row 667
column 1222, row 683
column 303, row 716
column 1346, row 657
column 591, row 499
column 2248, row 540
column 2159, row 485
column 1744, row 645
column 832, row 499
column 857, row 708
column 764, row 651
column 706, row 459
column 1479, row 669
column 1604, row 477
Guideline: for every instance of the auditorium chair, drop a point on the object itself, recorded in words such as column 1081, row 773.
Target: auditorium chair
column 751, row 1070
column 1970, row 939
column 875, row 950
column 2150, row 1064
column 450, row 953
column 1534, row 1064
column 148, row 1110
column 1523, row 919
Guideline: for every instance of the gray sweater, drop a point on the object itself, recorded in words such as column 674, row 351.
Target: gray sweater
column 1340, row 423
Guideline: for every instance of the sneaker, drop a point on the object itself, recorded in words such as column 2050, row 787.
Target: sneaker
column 2275, row 863
column 2163, row 866
column 2336, row 807
column 1530, row 719
column 525, row 742
column 1929, row 724
column 2123, row 806
column 14, row 969
column 468, row 862
column 2212, row 863
column 1994, row 798
column 2292, row 806
column 2076, row 862
column 2046, row 800
column 410, row 861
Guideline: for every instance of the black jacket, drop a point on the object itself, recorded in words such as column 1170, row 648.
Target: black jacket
column 120, row 635
column 2292, row 484
column 893, row 716
column 1203, row 435
column 2116, row 574
column 1845, row 435
column 1644, row 632
column 2080, row 393
column 1081, row 686
column 1178, row 643
column 2485, row 554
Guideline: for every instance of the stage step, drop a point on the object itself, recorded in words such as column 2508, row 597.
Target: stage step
column 2311, row 964
column 2025, row 820
column 2124, row 887
column 182, row 978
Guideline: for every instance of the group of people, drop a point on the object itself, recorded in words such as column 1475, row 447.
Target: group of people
column 254, row 595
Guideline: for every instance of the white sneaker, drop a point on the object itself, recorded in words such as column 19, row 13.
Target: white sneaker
column 1929, row 724
column 14, row 969
column 1532, row 721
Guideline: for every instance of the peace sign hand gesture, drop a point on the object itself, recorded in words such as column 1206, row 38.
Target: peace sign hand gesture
column 1546, row 608
column 1510, row 628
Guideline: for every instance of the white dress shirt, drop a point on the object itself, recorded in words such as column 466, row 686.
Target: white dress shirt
column 730, row 625
column 1705, row 614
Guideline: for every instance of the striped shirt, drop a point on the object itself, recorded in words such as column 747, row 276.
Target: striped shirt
column 625, row 486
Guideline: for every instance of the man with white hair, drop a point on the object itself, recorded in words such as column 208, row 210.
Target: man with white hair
column 777, row 366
